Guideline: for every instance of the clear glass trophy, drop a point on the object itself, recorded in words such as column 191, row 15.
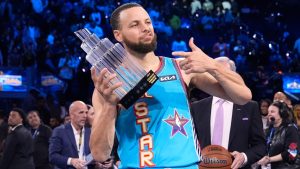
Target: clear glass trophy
column 102, row 53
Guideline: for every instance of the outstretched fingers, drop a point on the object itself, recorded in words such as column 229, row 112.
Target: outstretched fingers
column 192, row 44
column 181, row 54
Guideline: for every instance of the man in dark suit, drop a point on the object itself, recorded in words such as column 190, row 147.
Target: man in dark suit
column 41, row 135
column 18, row 148
column 241, row 129
column 69, row 143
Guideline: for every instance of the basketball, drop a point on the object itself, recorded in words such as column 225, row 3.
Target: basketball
column 215, row 156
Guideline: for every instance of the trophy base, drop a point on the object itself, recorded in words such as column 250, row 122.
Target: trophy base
column 139, row 90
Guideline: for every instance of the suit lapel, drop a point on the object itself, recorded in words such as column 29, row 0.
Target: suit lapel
column 71, row 136
column 208, row 116
column 236, row 114
column 205, row 115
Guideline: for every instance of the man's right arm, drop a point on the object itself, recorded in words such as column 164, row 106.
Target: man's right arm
column 103, row 128
column 105, row 106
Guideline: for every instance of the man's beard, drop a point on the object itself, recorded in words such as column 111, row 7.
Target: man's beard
column 141, row 47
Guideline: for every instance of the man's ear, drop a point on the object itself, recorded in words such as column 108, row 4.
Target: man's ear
column 118, row 35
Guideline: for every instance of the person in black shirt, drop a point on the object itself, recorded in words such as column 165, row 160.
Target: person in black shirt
column 41, row 135
column 282, row 139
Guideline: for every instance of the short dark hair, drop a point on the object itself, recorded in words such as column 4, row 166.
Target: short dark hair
column 89, row 106
column 20, row 112
column 32, row 111
column 115, row 16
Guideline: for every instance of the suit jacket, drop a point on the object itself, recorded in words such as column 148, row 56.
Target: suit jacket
column 41, row 147
column 63, row 145
column 18, row 150
column 246, row 133
column 3, row 135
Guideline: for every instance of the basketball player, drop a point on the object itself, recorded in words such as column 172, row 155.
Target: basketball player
column 157, row 130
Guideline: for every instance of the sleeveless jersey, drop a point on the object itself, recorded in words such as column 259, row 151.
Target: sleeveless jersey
column 157, row 130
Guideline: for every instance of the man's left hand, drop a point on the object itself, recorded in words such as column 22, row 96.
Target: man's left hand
column 195, row 61
column 238, row 160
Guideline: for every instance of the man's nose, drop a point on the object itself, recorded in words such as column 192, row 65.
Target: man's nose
column 145, row 27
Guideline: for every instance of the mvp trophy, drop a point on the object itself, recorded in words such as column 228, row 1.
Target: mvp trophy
column 102, row 53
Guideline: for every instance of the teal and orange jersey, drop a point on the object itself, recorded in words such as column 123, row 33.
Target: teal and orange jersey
column 157, row 131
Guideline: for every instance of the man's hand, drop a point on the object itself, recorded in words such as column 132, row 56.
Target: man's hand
column 238, row 160
column 77, row 163
column 102, row 85
column 105, row 165
column 195, row 61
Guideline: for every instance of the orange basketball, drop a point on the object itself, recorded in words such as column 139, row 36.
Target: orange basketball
column 215, row 156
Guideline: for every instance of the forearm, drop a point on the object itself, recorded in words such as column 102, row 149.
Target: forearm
column 230, row 84
column 275, row 158
column 103, row 129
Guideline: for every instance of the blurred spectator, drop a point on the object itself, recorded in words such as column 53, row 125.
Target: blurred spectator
column 175, row 22
column 297, row 46
column 207, row 21
column 43, row 109
column 226, row 5
column 221, row 48
column 296, row 111
column 40, row 134
column 3, row 131
column 96, row 17
column 53, row 106
column 264, row 105
column 208, row 6
column 280, row 97
column 195, row 6
column 228, row 17
column 6, row 7
column 18, row 148
column 289, row 103
column 234, row 7
column 54, row 122
column 94, row 28
column 51, row 37
column 67, row 119
column 154, row 13
column 30, row 34
column 178, row 44
column 39, row 5
column 239, row 48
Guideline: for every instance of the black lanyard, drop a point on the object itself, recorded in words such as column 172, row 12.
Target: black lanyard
column 269, row 139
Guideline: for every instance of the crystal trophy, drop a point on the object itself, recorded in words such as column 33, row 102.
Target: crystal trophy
column 102, row 53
